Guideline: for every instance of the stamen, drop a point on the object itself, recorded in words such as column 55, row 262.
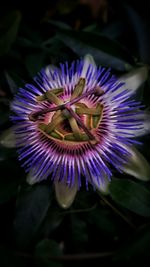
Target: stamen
column 98, row 91
column 53, row 98
column 33, row 116
column 63, row 111
column 71, row 137
column 83, row 109
column 89, row 121
column 54, row 134
column 78, row 90
column 75, row 128
column 57, row 91
column 52, row 125
column 84, row 95
column 77, row 118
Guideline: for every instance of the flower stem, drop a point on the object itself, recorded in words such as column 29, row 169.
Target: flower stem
column 105, row 200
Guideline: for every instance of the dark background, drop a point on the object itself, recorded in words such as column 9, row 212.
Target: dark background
column 33, row 228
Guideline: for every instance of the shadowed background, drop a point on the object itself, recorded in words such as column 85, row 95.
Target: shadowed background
column 104, row 230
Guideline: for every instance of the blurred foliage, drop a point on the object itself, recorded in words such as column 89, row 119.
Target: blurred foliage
column 114, row 229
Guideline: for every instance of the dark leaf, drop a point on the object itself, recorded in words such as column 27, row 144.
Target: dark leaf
column 10, row 259
column 4, row 111
column 141, row 31
column 9, row 29
column 12, row 85
column 26, row 43
column 137, row 247
column 114, row 29
column 8, row 188
column 44, row 250
column 131, row 195
column 9, row 181
column 91, row 28
column 105, row 51
column 79, row 233
column 59, row 24
column 7, row 154
column 102, row 219
column 34, row 62
column 32, row 206
column 53, row 220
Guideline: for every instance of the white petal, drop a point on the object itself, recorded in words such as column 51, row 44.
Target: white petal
column 65, row 194
column 88, row 60
column 134, row 79
column 137, row 165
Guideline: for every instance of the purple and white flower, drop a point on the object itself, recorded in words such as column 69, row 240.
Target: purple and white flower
column 76, row 124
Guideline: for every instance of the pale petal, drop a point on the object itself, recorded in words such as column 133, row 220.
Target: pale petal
column 31, row 178
column 143, row 129
column 88, row 60
column 137, row 165
column 50, row 69
column 102, row 184
column 134, row 79
column 7, row 139
column 146, row 125
column 65, row 194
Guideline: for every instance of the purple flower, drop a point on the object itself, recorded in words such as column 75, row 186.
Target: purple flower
column 76, row 124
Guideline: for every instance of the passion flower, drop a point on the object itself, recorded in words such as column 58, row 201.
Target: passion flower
column 76, row 124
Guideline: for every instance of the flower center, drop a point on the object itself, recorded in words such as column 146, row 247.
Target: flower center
column 70, row 120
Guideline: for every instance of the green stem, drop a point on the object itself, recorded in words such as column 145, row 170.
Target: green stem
column 119, row 213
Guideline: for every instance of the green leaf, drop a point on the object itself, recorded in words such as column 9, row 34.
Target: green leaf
column 105, row 51
column 32, row 205
column 131, row 195
column 9, row 29
column 44, row 250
